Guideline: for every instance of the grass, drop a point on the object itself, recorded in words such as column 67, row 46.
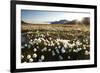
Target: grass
column 54, row 27
column 70, row 32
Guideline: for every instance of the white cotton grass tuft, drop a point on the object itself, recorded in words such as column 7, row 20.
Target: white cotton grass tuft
column 25, row 45
column 30, row 60
column 58, row 43
column 22, row 56
column 55, row 47
column 59, row 46
column 65, row 42
column 65, row 46
column 42, row 57
column 45, row 44
column 52, row 44
column 79, row 49
column 84, row 47
column 39, row 40
column 87, row 53
column 31, row 42
column 57, row 51
column 60, row 57
column 53, row 53
column 34, row 55
column 35, row 40
column 50, row 38
column 78, row 42
column 28, row 56
column 49, row 49
column 49, row 44
column 34, row 49
column 75, row 50
column 63, row 50
column 37, row 43
column 44, row 49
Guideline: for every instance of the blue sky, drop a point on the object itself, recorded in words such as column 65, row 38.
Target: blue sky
column 37, row 16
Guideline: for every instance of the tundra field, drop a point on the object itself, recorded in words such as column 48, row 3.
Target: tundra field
column 54, row 42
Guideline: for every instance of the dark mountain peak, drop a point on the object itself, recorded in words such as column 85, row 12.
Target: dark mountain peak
column 23, row 22
column 64, row 21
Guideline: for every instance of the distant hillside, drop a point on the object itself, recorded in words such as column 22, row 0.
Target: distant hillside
column 23, row 22
column 64, row 22
column 60, row 22
column 85, row 20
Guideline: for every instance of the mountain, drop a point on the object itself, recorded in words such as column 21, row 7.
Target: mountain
column 64, row 22
column 60, row 22
column 85, row 21
column 23, row 22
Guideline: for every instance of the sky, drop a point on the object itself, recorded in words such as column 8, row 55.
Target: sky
column 40, row 16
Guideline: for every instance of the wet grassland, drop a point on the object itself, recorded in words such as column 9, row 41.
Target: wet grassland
column 54, row 42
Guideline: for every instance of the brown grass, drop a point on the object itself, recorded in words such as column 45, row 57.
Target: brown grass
column 54, row 27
